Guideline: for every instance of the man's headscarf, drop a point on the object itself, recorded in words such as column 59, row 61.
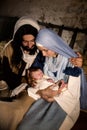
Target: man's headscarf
column 26, row 20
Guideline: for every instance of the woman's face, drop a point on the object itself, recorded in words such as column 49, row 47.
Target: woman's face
column 46, row 52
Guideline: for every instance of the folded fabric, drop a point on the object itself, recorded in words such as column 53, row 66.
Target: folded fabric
column 73, row 71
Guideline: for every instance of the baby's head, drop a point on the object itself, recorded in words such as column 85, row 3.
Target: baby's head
column 36, row 73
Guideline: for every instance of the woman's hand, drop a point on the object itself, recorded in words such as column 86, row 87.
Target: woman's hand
column 48, row 94
column 77, row 61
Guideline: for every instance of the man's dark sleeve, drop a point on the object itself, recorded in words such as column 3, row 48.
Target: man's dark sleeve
column 39, row 61
column 12, row 79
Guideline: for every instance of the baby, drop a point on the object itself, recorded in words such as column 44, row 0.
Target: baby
column 38, row 81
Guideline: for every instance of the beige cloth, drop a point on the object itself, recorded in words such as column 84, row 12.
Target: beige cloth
column 71, row 119
column 11, row 113
column 69, row 101
column 70, row 98
column 8, row 52
column 26, row 20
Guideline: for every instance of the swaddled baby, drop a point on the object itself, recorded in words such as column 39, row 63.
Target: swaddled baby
column 38, row 81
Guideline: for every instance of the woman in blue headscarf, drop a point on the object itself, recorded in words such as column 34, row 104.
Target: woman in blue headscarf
column 61, row 112
column 61, row 64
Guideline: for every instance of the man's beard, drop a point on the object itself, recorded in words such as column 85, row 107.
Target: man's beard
column 31, row 51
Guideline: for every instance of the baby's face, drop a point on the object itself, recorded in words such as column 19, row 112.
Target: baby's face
column 37, row 74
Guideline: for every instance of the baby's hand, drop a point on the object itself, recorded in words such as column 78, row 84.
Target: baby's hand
column 50, row 80
column 62, row 86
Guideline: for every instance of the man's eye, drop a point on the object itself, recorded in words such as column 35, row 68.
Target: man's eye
column 46, row 50
column 33, row 40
